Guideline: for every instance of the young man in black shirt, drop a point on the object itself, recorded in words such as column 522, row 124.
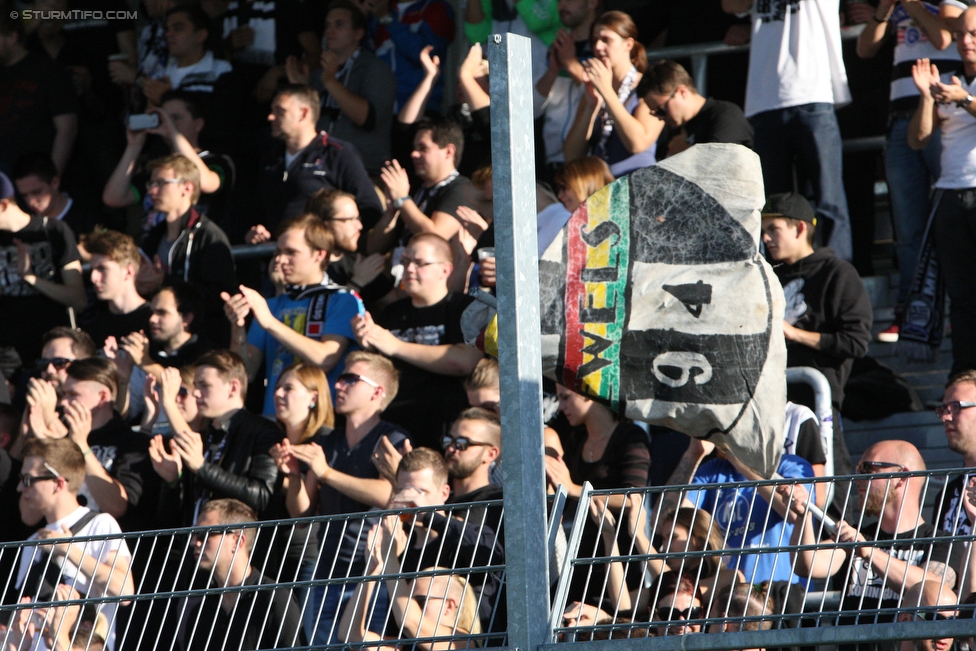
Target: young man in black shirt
column 422, row 335
column 670, row 93
column 120, row 309
column 828, row 313
column 40, row 275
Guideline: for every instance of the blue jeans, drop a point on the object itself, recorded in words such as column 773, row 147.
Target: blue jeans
column 322, row 613
column 808, row 137
column 910, row 175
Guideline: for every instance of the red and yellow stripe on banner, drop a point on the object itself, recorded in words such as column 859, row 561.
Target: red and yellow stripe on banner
column 597, row 263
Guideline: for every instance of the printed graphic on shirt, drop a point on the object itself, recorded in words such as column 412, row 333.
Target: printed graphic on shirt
column 796, row 302
column 429, row 335
column 775, row 10
column 864, row 581
column 42, row 263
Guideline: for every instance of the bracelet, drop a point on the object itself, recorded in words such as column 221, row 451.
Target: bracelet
column 323, row 478
column 879, row 20
column 86, row 452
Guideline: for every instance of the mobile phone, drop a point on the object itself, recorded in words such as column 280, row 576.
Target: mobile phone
column 143, row 121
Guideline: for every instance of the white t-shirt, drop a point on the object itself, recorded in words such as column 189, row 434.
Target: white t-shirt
column 958, row 145
column 100, row 549
column 796, row 55
column 911, row 44
column 198, row 78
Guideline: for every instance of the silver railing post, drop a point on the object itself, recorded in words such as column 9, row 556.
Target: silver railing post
column 519, row 339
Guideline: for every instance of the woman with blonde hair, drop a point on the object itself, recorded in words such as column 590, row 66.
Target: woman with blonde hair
column 612, row 121
column 575, row 182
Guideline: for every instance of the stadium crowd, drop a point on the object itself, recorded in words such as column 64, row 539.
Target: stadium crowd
column 170, row 384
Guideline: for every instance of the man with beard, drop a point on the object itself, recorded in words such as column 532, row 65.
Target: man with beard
column 960, row 430
column 928, row 594
column 340, row 213
column 871, row 576
column 472, row 446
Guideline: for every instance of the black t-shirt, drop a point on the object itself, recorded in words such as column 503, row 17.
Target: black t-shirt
column 101, row 323
column 125, row 456
column 863, row 586
column 952, row 516
column 214, row 205
column 182, row 356
column 427, row 403
column 32, row 92
column 342, row 270
column 719, row 121
column 52, row 247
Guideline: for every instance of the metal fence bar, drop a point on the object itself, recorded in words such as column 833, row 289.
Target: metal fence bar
column 519, row 339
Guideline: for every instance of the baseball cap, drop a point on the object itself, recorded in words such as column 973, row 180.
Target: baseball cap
column 789, row 204
column 6, row 187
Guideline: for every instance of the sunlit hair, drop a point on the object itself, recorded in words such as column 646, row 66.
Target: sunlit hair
column 702, row 536
column 96, row 369
column 962, row 377
column 422, row 458
column 305, row 95
column 663, row 77
column 675, row 583
column 229, row 366
column 381, row 370
column 484, row 375
column 584, row 176
column 231, row 511
column 182, row 167
column 745, row 601
column 63, row 455
column 323, row 202
column 115, row 246
column 625, row 28
column 313, row 378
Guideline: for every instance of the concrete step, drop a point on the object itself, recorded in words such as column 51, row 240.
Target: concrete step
column 921, row 429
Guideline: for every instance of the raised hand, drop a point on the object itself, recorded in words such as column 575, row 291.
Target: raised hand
column 167, row 465
column 925, row 74
column 79, row 419
column 431, row 64
column 189, row 445
column 314, row 457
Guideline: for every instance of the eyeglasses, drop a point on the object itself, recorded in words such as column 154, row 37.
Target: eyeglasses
column 353, row 378
column 460, row 443
column 671, row 614
column 870, row 467
column 662, row 110
column 952, row 408
column 29, row 480
column 203, row 535
column 158, row 183
column 935, row 617
column 183, row 392
column 422, row 599
column 59, row 363
column 406, row 262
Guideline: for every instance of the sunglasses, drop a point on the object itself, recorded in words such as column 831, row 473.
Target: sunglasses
column 870, row 467
column 662, row 110
column 952, row 408
column 422, row 599
column 459, row 443
column 29, row 480
column 59, row 363
column 183, row 392
column 671, row 614
column 352, row 378
column 935, row 617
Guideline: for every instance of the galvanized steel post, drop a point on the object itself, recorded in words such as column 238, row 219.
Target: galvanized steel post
column 519, row 341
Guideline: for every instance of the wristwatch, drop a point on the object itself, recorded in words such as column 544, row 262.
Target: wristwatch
column 398, row 203
column 966, row 103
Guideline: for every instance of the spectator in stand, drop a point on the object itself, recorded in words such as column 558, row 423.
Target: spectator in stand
column 470, row 451
column 538, row 20
column 875, row 576
column 752, row 518
column 347, row 267
column 482, row 386
column 186, row 245
column 670, row 94
column 400, row 31
column 828, row 314
column 174, row 394
column 120, row 309
column 39, row 109
column 190, row 66
column 257, row 619
column 311, row 321
column 743, row 601
column 422, row 335
column 305, row 162
column 919, row 34
column 678, row 598
column 118, row 478
column 613, row 122
column 54, row 472
column 39, row 185
column 230, row 458
column 929, row 594
column 950, row 105
column 434, row 206
column 559, row 91
column 181, row 121
column 40, row 275
column 339, row 477
column 790, row 104
column 173, row 338
column 575, row 182
column 358, row 89
column 959, row 422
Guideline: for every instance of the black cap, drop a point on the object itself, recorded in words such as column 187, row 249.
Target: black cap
column 6, row 187
column 789, row 204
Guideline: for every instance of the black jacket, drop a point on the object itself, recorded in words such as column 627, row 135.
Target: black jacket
column 244, row 469
column 326, row 163
column 824, row 294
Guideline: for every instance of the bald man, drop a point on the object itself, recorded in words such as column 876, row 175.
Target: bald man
column 874, row 577
column 925, row 595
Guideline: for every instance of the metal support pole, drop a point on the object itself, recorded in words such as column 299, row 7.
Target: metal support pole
column 519, row 340
column 699, row 66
